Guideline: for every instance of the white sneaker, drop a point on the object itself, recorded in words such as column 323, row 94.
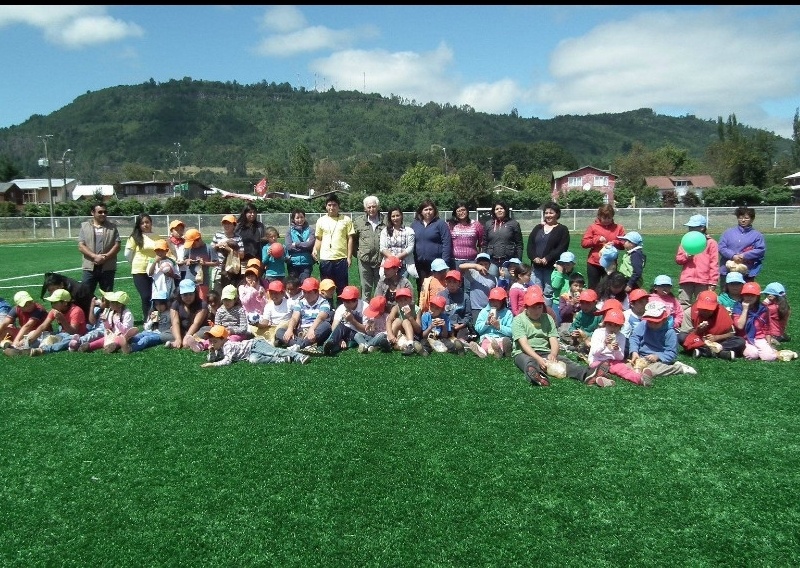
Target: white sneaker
column 686, row 369
column 302, row 359
column 295, row 347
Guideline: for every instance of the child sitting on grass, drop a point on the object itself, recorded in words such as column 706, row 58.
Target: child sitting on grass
column 118, row 326
column 751, row 319
column 569, row 302
column 577, row 336
column 403, row 329
column 157, row 328
column 277, row 312
column 522, row 279
column 374, row 338
column 608, row 349
column 436, row 329
column 654, row 344
column 224, row 352
column 779, row 311
column 732, row 292
column 494, row 327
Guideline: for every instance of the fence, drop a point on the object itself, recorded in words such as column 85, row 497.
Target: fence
column 782, row 219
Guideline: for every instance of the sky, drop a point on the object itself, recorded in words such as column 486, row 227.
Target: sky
column 544, row 61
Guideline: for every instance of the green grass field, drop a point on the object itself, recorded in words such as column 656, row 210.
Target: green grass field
column 384, row 460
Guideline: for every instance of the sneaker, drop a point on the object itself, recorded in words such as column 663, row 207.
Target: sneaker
column 73, row 345
column 727, row 355
column 294, row 347
column 362, row 348
column 111, row 348
column 13, row 351
column 686, row 369
column 598, row 372
column 477, row 349
column 194, row 345
column 36, row 351
column 408, row 349
column 536, row 377
column 783, row 338
column 312, row 350
column 458, row 346
column 372, row 349
column 497, row 351
column 302, row 359
column 696, row 353
column 419, row 349
column 284, row 359
column 83, row 347
column 604, row 382
column 647, row 378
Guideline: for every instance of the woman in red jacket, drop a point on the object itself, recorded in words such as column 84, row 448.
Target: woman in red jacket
column 603, row 230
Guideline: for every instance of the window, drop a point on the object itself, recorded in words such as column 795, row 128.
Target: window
column 681, row 183
column 575, row 181
column 29, row 196
column 601, row 181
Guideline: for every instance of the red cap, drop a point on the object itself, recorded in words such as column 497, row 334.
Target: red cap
column 707, row 301
column 403, row 292
column 392, row 262
column 532, row 297
column 376, row 306
column 751, row 288
column 310, row 284
column 350, row 293
column 693, row 341
column 637, row 294
column 610, row 304
column 614, row 316
column 454, row 274
column 438, row 301
column 276, row 286
column 588, row 295
column 498, row 293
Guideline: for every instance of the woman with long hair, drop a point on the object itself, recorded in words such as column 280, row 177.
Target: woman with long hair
column 503, row 237
column 397, row 240
column 299, row 241
column 546, row 242
column 431, row 240
column 139, row 251
column 252, row 232
column 603, row 231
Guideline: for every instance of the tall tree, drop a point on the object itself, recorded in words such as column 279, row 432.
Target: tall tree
column 301, row 168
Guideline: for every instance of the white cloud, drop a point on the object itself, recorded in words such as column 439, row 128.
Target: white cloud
column 283, row 19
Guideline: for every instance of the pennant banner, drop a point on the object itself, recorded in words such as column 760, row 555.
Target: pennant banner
column 261, row 187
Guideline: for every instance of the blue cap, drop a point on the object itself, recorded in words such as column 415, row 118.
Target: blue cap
column 483, row 256
column 633, row 237
column 662, row 280
column 439, row 264
column 566, row 257
column 187, row 286
column 514, row 260
column 696, row 221
column 734, row 277
column 774, row 289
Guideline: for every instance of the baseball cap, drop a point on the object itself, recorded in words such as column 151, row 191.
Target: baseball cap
column 276, row 286
column 514, row 260
column 693, row 341
column 454, row 274
column 774, row 289
column 438, row 265
column 326, row 284
column 253, row 262
column 350, row 293
column 403, row 292
column 707, row 300
column 59, row 295
column 253, row 270
column 376, row 307
column 121, row 297
column 392, row 262
column 21, row 298
column 637, row 294
column 311, row 284
column 176, row 223
column 532, row 297
column 160, row 244
column 633, row 237
column 610, row 304
column 614, row 316
column 229, row 292
column 498, row 293
column 662, row 280
column 483, row 256
column 566, row 257
column 218, row 331
column 734, row 278
column 751, row 288
column 229, row 219
column 187, row 286
column 696, row 221
column 159, row 296
column 438, row 301
column 655, row 312
column 588, row 295
column 191, row 236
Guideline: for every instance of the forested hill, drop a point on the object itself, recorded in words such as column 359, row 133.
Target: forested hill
column 232, row 125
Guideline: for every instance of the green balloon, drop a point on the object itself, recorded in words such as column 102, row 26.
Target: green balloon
column 693, row 242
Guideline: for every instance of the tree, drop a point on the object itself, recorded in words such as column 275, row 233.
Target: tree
column 474, row 187
column 512, row 178
column 301, row 167
column 8, row 170
column 416, row 179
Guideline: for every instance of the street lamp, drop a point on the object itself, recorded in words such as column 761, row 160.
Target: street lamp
column 64, row 163
column 46, row 163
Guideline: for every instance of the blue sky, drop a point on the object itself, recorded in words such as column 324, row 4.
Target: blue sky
column 707, row 61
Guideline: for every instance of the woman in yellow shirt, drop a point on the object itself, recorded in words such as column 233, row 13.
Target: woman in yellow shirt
column 138, row 251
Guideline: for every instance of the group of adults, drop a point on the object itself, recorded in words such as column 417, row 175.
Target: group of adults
column 336, row 240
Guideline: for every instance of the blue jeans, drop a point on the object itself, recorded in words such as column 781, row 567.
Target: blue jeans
column 541, row 277
column 145, row 339
column 321, row 334
column 62, row 344
column 266, row 352
column 380, row 341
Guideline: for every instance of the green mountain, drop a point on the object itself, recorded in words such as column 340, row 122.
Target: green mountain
column 256, row 127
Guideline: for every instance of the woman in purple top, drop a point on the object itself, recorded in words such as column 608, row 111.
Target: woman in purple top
column 466, row 235
column 743, row 245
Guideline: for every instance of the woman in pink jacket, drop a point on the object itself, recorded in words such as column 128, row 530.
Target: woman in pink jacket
column 699, row 272
column 603, row 230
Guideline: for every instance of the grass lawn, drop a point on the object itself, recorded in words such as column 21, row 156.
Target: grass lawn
column 385, row 460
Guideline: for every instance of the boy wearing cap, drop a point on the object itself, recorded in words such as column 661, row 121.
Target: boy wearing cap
column 25, row 316
column 391, row 281
column 223, row 352
column 309, row 326
column 347, row 321
column 710, row 323
column 70, row 320
column 561, row 280
column 176, row 244
column 327, row 289
column 433, row 284
column 164, row 272
column 654, row 344
column 631, row 262
column 699, row 272
column 403, row 329
column 732, row 290
column 456, row 306
column 536, row 344
column 481, row 281
column 569, row 302
column 276, row 313
column 374, row 338
column 224, row 244
column 436, row 329
column 637, row 300
column 608, row 348
column 661, row 293
column 577, row 336
column 197, row 260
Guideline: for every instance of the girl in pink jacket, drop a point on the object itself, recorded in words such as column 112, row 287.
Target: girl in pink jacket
column 700, row 271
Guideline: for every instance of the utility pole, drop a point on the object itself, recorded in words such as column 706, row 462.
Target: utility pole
column 64, row 163
column 46, row 163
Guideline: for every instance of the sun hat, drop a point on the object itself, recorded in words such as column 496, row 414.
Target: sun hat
column 696, row 221
column 311, row 284
column 276, row 286
column 326, row 284
column 159, row 296
column 662, row 280
column 376, row 307
column 59, row 295
column 21, row 298
column 566, row 257
column 120, row 296
column 751, row 288
column 176, row 223
column 438, row 301
column 191, row 236
column 253, row 270
column 392, row 262
column 160, row 244
column 637, row 294
column 633, row 237
column 655, row 312
column 229, row 219
column 438, row 265
column 774, row 289
column 614, row 316
column 483, row 256
column 532, row 297
column 350, row 293
column 610, row 304
column 498, row 293
column 454, row 274
column 588, row 295
column 229, row 292
column 253, row 262
column 707, row 300
column 187, row 286
column 218, row 331
column 734, row 278
column 514, row 260
column 403, row 292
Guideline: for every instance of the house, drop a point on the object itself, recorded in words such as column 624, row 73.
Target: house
column 500, row 187
column 793, row 181
column 88, row 192
column 38, row 190
column 11, row 193
column 585, row 178
column 680, row 184
column 152, row 189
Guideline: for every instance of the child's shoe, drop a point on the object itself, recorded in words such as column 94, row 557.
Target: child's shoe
column 477, row 349
column 598, row 372
column 536, row 377
column 111, row 348
column 194, row 345
column 647, row 378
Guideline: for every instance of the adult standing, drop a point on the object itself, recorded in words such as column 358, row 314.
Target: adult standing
column 603, row 230
column 466, row 234
column 503, row 237
column 431, row 240
column 742, row 244
column 546, row 242
column 333, row 248
column 252, row 231
column 368, row 246
column 300, row 241
column 139, row 251
column 99, row 243
column 397, row 240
